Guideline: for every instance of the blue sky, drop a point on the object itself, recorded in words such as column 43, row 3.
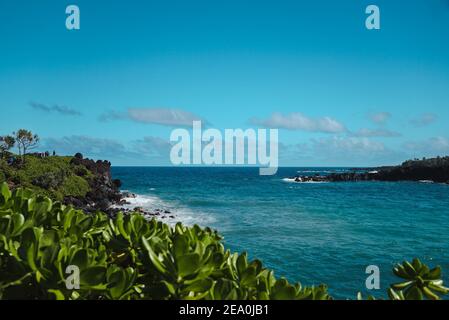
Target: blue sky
column 339, row 93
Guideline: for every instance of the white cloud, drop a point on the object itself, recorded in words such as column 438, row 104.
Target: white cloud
column 424, row 119
column 64, row 110
column 339, row 151
column 153, row 147
column 146, row 151
column 372, row 133
column 162, row 116
column 88, row 146
column 380, row 117
column 436, row 146
column 298, row 121
column 347, row 145
column 112, row 115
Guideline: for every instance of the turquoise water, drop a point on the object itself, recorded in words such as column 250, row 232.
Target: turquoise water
column 312, row 233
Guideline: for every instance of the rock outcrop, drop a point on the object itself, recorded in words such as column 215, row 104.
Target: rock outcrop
column 104, row 191
column 425, row 170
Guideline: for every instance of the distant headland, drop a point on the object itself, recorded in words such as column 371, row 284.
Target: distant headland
column 434, row 170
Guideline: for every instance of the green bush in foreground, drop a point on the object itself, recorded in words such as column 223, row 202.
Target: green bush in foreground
column 419, row 281
column 124, row 258
column 131, row 258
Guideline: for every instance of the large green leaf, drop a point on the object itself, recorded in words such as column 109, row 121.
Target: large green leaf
column 80, row 259
column 5, row 194
column 187, row 264
column 93, row 276
column 153, row 257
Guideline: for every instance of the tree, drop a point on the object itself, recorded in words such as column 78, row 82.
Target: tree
column 26, row 141
column 6, row 143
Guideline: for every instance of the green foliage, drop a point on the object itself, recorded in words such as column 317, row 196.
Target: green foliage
column 6, row 143
column 74, row 186
column 54, row 176
column 419, row 282
column 131, row 258
column 427, row 163
column 26, row 140
column 125, row 258
column 6, row 172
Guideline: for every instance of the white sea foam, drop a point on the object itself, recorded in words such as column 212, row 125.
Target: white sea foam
column 177, row 213
column 426, row 181
column 145, row 202
column 293, row 180
column 314, row 182
column 189, row 217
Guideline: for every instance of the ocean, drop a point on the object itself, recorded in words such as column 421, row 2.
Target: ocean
column 313, row 232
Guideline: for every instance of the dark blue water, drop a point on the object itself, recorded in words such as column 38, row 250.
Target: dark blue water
column 312, row 233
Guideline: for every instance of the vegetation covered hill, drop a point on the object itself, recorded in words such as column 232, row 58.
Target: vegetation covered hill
column 85, row 183
column 73, row 180
column 55, row 176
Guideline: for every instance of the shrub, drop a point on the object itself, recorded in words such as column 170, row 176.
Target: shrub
column 125, row 258
column 5, row 170
column 74, row 186
column 80, row 171
column 50, row 180
column 131, row 258
column 418, row 282
column 50, row 176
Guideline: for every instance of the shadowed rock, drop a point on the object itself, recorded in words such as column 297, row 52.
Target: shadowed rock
column 425, row 170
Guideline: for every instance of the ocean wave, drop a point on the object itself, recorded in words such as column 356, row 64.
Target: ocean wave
column 144, row 201
column 189, row 217
column 293, row 180
column 177, row 213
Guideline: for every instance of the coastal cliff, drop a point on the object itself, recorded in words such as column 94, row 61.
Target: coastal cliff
column 104, row 191
column 84, row 183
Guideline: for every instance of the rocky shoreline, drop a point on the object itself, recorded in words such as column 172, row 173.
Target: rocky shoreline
column 435, row 170
column 158, row 213
column 105, row 194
